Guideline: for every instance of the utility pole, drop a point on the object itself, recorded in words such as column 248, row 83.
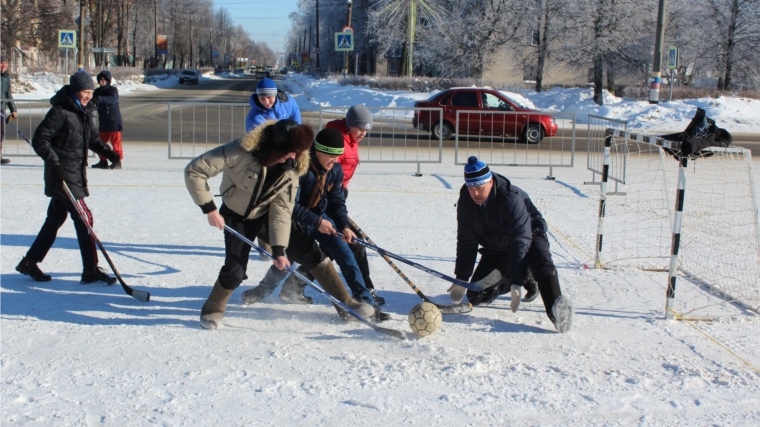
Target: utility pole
column 345, row 54
column 80, row 65
column 155, row 28
column 654, row 90
column 318, row 68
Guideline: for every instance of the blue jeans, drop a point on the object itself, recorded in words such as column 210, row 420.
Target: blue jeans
column 341, row 252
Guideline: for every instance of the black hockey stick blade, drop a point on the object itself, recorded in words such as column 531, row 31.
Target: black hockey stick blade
column 445, row 309
column 141, row 295
column 387, row 331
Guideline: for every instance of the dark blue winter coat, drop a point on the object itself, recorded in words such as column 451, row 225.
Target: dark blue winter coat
column 64, row 136
column 502, row 227
column 107, row 99
column 321, row 192
column 284, row 107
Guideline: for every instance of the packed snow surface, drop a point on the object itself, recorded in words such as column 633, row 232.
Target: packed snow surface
column 86, row 355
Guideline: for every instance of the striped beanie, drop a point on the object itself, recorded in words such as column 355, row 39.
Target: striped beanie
column 329, row 141
column 266, row 87
column 476, row 173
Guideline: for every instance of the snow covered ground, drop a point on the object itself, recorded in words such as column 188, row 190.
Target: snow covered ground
column 76, row 355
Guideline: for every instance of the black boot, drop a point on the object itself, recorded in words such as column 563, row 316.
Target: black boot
column 531, row 288
column 267, row 285
column 102, row 164
column 30, row 269
column 378, row 299
column 4, row 161
column 95, row 275
column 115, row 165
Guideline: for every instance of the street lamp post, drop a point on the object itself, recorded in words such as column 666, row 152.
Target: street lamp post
column 654, row 90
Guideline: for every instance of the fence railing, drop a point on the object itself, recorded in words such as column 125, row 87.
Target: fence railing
column 514, row 138
column 194, row 128
column 394, row 138
column 598, row 130
column 30, row 114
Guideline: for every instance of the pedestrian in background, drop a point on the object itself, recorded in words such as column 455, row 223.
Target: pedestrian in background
column 7, row 103
column 106, row 98
column 269, row 103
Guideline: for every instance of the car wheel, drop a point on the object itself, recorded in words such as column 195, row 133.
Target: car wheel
column 532, row 134
column 442, row 130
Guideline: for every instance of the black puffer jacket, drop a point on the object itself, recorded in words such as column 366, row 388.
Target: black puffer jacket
column 107, row 99
column 503, row 227
column 64, row 136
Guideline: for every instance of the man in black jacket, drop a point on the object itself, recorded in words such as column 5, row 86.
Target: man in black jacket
column 62, row 140
column 500, row 218
column 106, row 97
column 7, row 102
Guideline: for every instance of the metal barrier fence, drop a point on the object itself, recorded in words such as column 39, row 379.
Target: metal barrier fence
column 512, row 138
column 195, row 128
column 30, row 114
column 597, row 131
column 394, row 138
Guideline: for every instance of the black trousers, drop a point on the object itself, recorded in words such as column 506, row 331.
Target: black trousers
column 58, row 209
column 236, row 251
column 538, row 260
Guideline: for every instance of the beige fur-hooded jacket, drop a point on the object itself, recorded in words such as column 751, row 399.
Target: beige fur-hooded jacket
column 244, row 176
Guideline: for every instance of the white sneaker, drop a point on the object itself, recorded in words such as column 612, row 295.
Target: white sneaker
column 515, row 292
column 456, row 293
column 562, row 310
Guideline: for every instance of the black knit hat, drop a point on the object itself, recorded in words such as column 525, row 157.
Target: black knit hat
column 329, row 141
column 283, row 137
column 80, row 81
column 3, row 58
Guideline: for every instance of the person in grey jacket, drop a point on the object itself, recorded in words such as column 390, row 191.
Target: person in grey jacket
column 7, row 102
column 259, row 186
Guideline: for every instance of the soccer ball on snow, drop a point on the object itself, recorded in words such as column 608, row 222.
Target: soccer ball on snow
column 425, row 318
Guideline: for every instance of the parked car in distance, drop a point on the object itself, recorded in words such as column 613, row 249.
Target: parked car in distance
column 486, row 105
column 190, row 76
column 284, row 71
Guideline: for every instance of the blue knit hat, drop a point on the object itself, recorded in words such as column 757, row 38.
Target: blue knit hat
column 476, row 173
column 266, row 87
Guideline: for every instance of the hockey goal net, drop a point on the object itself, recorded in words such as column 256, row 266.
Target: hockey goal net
column 695, row 218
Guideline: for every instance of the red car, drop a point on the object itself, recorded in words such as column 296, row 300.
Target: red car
column 530, row 126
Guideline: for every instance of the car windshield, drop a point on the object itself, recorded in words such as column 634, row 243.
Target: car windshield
column 516, row 101
column 189, row 73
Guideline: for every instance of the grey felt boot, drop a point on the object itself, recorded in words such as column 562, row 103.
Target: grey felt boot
column 213, row 309
column 292, row 290
column 330, row 281
column 267, row 285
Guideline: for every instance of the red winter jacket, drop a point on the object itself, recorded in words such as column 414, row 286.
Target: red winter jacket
column 349, row 160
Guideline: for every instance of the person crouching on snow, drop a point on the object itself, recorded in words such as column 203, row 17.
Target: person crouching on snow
column 259, row 184
column 62, row 140
column 500, row 218
column 319, row 212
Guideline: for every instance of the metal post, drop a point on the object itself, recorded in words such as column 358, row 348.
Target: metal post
column 654, row 91
column 345, row 54
column 80, row 64
column 318, row 69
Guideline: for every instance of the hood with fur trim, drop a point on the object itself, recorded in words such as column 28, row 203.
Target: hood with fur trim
column 252, row 140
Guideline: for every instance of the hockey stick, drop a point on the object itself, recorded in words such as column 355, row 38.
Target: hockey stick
column 141, row 295
column 476, row 286
column 392, row 332
column 446, row 309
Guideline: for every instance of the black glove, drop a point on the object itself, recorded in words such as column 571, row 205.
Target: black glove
column 58, row 173
column 483, row 297
column 112, row 156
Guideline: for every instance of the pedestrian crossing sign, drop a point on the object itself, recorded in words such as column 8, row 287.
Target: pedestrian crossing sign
column 344, row 41
column 67, row 39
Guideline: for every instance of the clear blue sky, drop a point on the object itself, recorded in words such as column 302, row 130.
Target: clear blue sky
column 264, row 20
